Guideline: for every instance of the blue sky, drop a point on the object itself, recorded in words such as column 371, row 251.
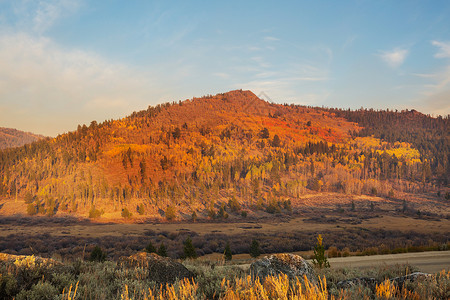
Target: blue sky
column 68, row 62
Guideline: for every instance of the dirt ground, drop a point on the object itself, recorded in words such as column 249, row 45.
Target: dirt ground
column 429, row 262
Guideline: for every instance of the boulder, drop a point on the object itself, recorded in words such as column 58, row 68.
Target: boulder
column 416, row 276
column 290, row 264
column 369, row 282
column 160, row 269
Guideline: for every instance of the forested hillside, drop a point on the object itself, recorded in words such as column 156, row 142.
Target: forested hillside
column 231, row 153
column 10, row 138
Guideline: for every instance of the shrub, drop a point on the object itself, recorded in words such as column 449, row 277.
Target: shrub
column 222, row 214
column 162, row 250
column 170, row 213
column 320, row 259
column 41, row 290
column 234, row 204
column 254, row 249
column 97, row 254
column 141, row 209
column 189, row 249
column 28, row 198
column 94, row 213
column 31, row 209
column 150, row 248
column 126, row 213
column 227, row 253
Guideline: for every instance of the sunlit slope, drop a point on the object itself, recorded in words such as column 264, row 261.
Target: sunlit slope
column 229, row 152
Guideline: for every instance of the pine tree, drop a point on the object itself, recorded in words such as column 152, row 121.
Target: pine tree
column 227, row 253
column 162, row 250
column 150, row 248
column 189, row 249
column 254, row 249
column 97, row 254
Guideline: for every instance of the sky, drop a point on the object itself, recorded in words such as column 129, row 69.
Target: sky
column 69, row 62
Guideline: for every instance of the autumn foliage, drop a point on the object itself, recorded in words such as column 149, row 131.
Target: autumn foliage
column 232, row 151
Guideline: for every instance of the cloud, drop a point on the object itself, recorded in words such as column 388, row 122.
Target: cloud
column 48, row 12
column 222, row 75
column 271, row 38
column 436, row 92
column 394, row 58
column 421, row 75
column 444, row 49
column 436, row 103
column 39, row 16
column 45, row 79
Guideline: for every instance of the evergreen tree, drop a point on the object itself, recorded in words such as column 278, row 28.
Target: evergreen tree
column 97, row 254
column 227, row 253
column 254, row 249
column 150, row 248
column 189, row 249
column 320, row 259
column 162, row 250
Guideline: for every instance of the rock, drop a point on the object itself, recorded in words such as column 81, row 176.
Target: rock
column 160, row 269
column 291, row 265
column 410, row 277
column 365, row 281
column 372, row 282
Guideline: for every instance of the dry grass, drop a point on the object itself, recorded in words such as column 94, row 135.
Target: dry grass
column 274, row 226
column 273, row 287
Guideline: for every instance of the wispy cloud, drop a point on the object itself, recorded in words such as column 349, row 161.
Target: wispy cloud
column 80, row 86
column 50, row 11
column 421, row 75
column 271, row 38
column 222, row 75
column 38, row 16
column 444, row 49
column 394, row 58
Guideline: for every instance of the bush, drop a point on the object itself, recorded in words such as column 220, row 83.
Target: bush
column 320, row 259
column 28, row 198
column 234, row 204
column 141, row 209
column 39, row 291
column 254, row 249
column 94, row 213
column 171, row 213
column 227, row 253
column 97, row 254
column 162, row 250
column 150, row 248
column 31, row 209
column 126, row 213
column 189, row 249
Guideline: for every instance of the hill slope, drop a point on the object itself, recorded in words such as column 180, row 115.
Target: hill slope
column 205, row 157
column 10, row 138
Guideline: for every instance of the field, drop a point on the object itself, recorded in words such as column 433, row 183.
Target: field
column 387, row 226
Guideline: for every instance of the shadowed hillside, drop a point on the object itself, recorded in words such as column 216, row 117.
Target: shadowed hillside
column 212, row 157
column 10, row 138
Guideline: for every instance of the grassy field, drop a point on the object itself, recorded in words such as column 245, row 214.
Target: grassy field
column 272, row 226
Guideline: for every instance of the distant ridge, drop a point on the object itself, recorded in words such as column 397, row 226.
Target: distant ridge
column 10, row 138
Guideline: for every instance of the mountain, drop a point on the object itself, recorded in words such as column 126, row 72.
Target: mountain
column 10, row 138
column 217, row 156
